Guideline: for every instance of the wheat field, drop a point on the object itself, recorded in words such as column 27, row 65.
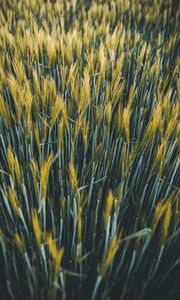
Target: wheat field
column 89, row 149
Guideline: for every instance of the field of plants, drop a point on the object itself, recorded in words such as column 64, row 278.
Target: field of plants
column 89, row 150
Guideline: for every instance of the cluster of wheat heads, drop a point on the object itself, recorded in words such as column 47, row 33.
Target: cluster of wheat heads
column 89, row 149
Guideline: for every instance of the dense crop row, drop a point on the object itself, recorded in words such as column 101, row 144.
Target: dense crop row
column 89, row 149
